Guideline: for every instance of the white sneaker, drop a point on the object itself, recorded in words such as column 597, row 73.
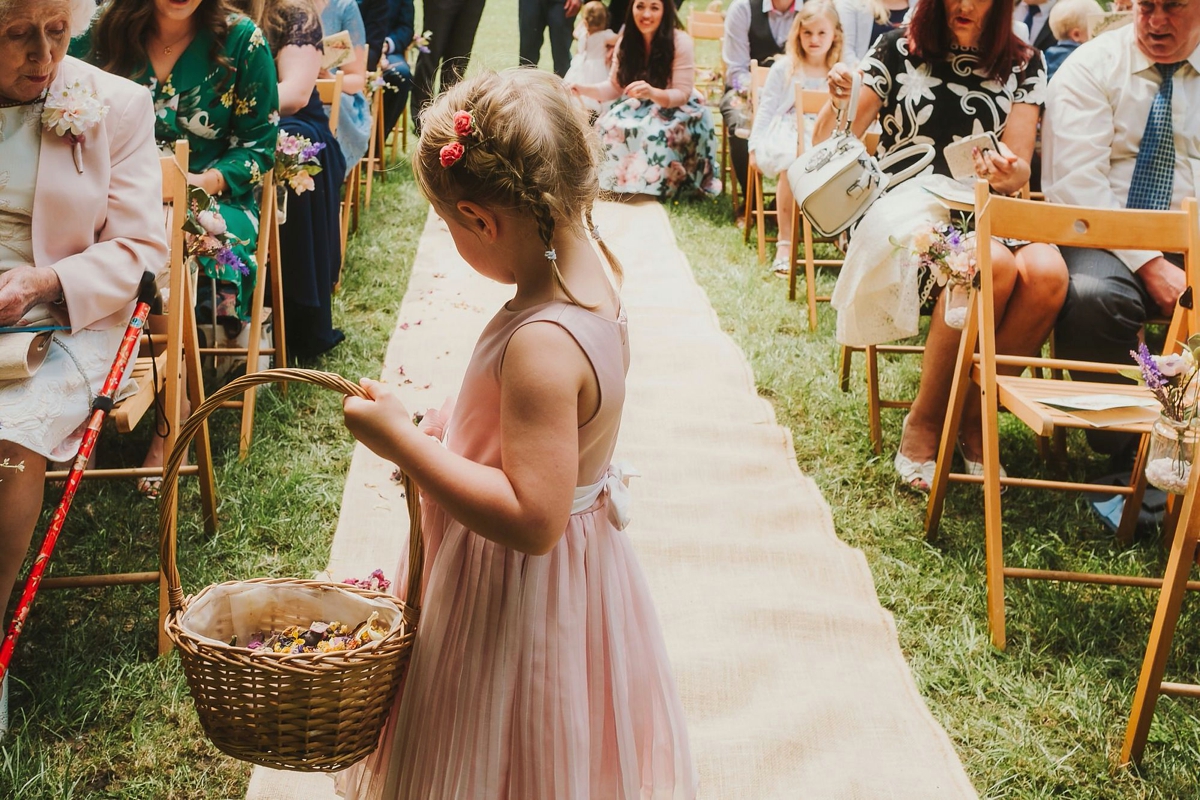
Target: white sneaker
column 4, row 707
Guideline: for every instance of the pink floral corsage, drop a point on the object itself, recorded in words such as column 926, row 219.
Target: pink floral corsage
column 71, row 113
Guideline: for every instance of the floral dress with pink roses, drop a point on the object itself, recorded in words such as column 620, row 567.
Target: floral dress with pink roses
column 661, row 150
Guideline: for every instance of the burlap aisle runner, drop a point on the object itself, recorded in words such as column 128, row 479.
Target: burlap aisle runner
column 789, row 669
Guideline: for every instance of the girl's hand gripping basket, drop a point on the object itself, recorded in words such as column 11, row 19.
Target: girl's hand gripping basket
column 316, row 711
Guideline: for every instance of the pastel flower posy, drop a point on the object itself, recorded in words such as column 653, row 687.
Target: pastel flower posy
column 1169, row 378
column 71, row 113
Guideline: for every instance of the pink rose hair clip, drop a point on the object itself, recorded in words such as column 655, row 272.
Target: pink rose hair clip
column 464, row 129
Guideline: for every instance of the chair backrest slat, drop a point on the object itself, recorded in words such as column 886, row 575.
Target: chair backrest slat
column 811, row 101
column 330, row 91
column 758, row 79
column 175, row 199
column 1077, row 226
column 808, row 101
column 706, row 25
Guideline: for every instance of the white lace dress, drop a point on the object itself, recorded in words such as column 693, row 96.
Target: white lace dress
column 45, row 413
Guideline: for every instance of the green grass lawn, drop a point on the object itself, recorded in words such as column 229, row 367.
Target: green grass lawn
column 98, row 716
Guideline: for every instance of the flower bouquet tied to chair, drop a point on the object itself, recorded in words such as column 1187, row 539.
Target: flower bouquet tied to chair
column 295, row 165
column 206, row 233
column 947, row 251
column 1172, row 381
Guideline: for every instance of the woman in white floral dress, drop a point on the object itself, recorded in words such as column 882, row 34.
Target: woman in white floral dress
column 659, row 137
column 956, row 70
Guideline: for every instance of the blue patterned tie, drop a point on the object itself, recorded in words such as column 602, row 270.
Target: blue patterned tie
column 1154, row 172
column 1030, row 13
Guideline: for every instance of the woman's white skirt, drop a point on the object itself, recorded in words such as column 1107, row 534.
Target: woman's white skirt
column 48, row 412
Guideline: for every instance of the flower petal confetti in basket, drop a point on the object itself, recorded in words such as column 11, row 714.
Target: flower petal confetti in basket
column 309, row 712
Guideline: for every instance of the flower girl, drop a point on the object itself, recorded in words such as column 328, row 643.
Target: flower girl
column 814, row 44
column 593, row 53
column 539, row 670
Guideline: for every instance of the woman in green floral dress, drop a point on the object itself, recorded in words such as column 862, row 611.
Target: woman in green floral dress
column 214, row 83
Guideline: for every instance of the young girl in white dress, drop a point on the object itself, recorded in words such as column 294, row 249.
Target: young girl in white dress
column 593, row 51
column 814, row 45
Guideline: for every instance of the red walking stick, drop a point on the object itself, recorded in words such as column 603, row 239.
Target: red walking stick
column 100, row 408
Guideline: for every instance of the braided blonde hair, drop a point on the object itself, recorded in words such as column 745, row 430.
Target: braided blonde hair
column 533, row 150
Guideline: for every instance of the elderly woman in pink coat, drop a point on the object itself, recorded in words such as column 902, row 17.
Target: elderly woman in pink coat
column 80, row 221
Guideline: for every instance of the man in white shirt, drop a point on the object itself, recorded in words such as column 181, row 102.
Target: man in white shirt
column 1131, row 91
column 1035, row 16
column 754, row 29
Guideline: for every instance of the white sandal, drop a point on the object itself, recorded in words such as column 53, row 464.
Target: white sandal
column 782, row 266
column 916, row 475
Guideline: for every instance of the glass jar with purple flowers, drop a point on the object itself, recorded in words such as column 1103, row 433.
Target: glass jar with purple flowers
column 1170, row 378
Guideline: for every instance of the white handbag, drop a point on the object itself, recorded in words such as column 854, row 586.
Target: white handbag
column 837, row 180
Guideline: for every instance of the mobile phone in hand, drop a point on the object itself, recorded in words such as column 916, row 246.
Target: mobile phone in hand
column 959, row 156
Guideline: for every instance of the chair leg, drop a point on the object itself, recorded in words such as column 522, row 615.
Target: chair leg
column 794, row 257
column 725, row 161
column 404, row 128
column 195, row 389
column 749, row 210
column 382, row 153
column 252, row 354
column 192, row 376
column 278, row 323
column 959, row 389
column 733, row 183
column 993, row 533
column 760, row 216
column 172, row 384
column 873, row 414
column 1133, row 502
column 810, row 268
column 1162, row 632
column 371, row 153
column 845, row 362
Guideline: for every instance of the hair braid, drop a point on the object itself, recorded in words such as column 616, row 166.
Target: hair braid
column 530, row 150
column 617, row 270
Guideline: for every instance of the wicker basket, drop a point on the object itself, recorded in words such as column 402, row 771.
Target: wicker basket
column 310, row 712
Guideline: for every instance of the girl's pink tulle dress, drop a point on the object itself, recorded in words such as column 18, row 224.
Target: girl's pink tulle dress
column 535, row 677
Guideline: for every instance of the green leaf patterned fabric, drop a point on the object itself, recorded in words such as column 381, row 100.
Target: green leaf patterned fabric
column 229, row 115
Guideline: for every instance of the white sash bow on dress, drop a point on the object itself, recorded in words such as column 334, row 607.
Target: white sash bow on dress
column 616, row 483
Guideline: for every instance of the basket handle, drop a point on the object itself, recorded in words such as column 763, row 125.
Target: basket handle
column 170, row 484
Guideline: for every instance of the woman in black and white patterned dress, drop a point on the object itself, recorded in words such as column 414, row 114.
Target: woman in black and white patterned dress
column 956, row 70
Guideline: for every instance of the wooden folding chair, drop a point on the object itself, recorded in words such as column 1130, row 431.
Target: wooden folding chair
column 161, row 373
column 708, row 26
column 401, row 125
column 1171, row 231
column 270, row 269
column 756, row 196
column 374, row 157
column 330, row 91
column 807, row 102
